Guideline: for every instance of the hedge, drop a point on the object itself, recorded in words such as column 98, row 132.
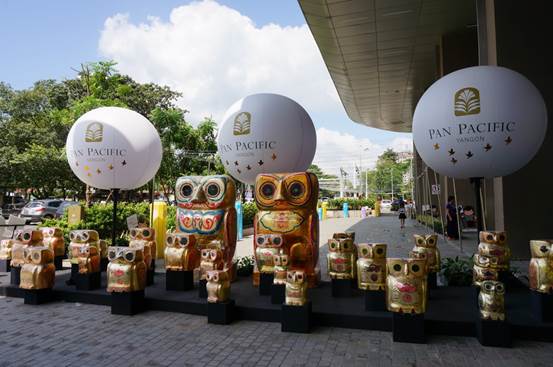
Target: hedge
column 354, row 204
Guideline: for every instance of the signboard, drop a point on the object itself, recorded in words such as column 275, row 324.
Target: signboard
column 132, row 221
column 436, row 189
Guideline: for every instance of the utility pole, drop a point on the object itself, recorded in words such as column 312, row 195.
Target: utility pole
column 392, row 178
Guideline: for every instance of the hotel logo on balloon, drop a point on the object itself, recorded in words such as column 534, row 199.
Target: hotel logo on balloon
column 242, row 123
column 94, row 133
column 467, row 102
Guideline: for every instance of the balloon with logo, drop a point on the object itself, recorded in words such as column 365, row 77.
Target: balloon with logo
column 113, row 148
column 483, row 121
column 264, row 133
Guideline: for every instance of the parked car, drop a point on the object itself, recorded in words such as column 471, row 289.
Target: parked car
column 37, row 210
column 63, row 206
column 12, row 209
column 386, row 203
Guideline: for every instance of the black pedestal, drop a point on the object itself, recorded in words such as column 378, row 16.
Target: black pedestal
column 37, row 296
column 221, row 313
column 375, row 300
column 202, row 290
column 127, row 303
column 179, row 280
column 15, row 277
column 475, row 293
column 265, row 283
column 341, row 287
column 433, row 280
column 87, row 282
column 149, row 277
column 5, row 266
column 541, row 306
column 493, row 333
column 104, row 264
column 58, row 262
column 296, row 319
column 74, row 274
column 278, row 292
column 408, row 328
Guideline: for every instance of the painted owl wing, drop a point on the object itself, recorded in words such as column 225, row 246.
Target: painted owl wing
column 314, row 245
column 230, row 234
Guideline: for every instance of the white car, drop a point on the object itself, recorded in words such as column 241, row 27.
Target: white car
column 386, row 204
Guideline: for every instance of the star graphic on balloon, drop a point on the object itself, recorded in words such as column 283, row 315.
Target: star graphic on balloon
column 227, row 163
column 453, row 160
column 124, row 163
column 451, row 151
column 110, row 167
column 77, row 164
column 236, row 163
column 86, row 168
column 249, row 167
column 274, row 156
column 487, row 147
column 98, row 171
column 89, row 174
column 239, row 171
column 436, row 146
column 260, row 162
column 508, row 140
column 469, row 154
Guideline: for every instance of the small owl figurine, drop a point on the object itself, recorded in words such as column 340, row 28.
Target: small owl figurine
column 495, row 244
column 371, row 266
column 53, row 238
column 485, row 267
column 39, row 270
column 23, row 240
column 218, row 286
column 88, row 258
column 281, row 267
column 126, row 269
column 181, row 253
column 491, row 300
column 211, row 259
column 265, row 247
column 80, row 237
column 144, row 238
column 341, row 258
column 296, row 288
column 540, row 272
column 6, row 249
column 406, row 285
column 428, row 245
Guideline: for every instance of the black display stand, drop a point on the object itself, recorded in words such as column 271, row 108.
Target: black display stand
column 475, row 293
column 179, row 280
column 541, row 306
column 408, row 328
column 296, row 319
column 37, row 296
column 87, row 282
column 341, row 287
column 221, row 313
column 202, row 290
column 375, row 300
column 492, row 333
column 15, row 275
column 127, row 303
column 58, row 262
column 74, row 274
column 104, row 264
column 149, row 277
column 266, row 283
column 433, row 280
column 278, row 292
column 5, row 266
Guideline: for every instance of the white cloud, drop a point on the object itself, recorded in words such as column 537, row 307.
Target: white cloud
column 214, row 56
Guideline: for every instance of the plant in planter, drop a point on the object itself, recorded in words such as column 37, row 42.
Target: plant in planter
column 244, row 265
column 457, row 272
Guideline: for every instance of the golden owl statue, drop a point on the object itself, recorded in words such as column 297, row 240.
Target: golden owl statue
column 88, row 258
column 266, row 246
column 491, row 300
column 181, row 253
column 406, row 285
column 211, row 259
column 53, row 238
column 495, row 244
column 206, row 211
column 6, row 249
column 144, row 237
column 218, row 286
column 126, row 269
column 341, row 258
column 280, row 268
column 39, row 271
column 82, row 236
column 428, row 244
column 540, row 272
column 371, row 266
column 23, row 240
column 287, row 206
column 296, row 288
column 485, row 267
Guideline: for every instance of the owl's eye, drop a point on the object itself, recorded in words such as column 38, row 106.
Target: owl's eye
column 501, row 238
column 544, row 249
column 276, row 260
column 112, row 255
column 277, row 241
column 397, row 267
column 129, row 256
column 488, row 286
column 290, row 276
column 133, row 233
column 499, row 288
column 489, row 237
column 296, row 189
column 51, row 232
column 284, row 260
column 26, row 236
column 72, row 236
column 420, row 241
column 85, row 236
column 333, row 245
column 345, row 246
column 216, row 278
column 260, row 240
column 430, row 241
column 186, row 190
column 268, row 190
column 365, row 252
column 379, row 251
column 146, row 233
column 169, row 240
column 36, row 256
column 183, row 241
column 415, row 268
column 300, row 277
column 213, row 189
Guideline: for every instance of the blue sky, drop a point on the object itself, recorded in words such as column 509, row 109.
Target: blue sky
column 45, row 39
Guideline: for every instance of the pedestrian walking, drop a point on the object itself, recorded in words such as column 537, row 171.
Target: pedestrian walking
column 402, row 215
column 451, row 216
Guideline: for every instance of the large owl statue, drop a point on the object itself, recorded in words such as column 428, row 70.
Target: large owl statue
column 287, row 206
column 485, row 267
column 218, row 286
column 341, row 258
column 281, row 268
column 371, row 266
column 53, row 238
column 491, row 300
column 145, row 238
column 39, row 271
column 23, row 240
column 211, row 259
column 406, row 285
column 428, row 244
column 296, row 288
column 126, row 269
column 181, row 253
column 495, row 244
column 266, row 246
column 540, row 272
column 80, row 237
column 206, row 211
column 88, row 258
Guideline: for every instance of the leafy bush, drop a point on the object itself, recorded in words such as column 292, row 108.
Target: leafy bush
column 244, row 265
column 354, row 204
column 171, row 217
column 249, row 209
column 427, row 220
column 457, row 272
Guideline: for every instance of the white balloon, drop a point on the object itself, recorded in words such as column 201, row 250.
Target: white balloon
column 113, row 148
column 483, row 121
column 265, row 133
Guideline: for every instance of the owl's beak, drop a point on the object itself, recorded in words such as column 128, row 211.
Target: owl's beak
column 199, row 196
column 279, row 195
